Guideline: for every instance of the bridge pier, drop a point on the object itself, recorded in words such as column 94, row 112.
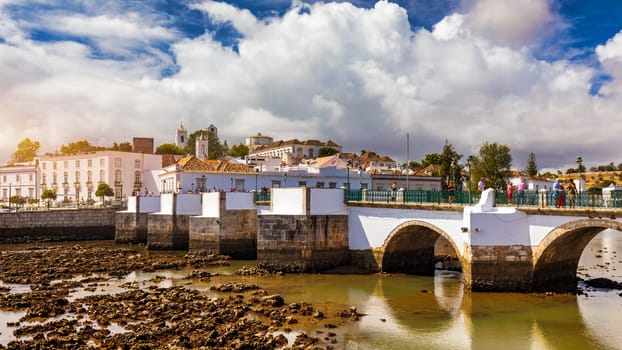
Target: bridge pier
column 500, row 268
column 301, row 233
column 131, row 226
column 227, row 226
column 168, row 229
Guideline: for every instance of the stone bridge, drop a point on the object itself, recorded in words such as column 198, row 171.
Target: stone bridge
column 499, row 248
column 311, row 230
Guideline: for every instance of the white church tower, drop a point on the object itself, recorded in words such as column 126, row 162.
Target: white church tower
column 181, row 136
column 202, row 147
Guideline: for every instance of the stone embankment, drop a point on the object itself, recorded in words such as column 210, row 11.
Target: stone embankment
column 57, row 225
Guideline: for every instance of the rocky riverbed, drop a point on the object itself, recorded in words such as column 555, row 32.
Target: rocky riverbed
column 61, row 307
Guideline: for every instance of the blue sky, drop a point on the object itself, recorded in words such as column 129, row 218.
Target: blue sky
column 541, row 76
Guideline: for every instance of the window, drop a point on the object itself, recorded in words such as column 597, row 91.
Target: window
column 137, row 164
column 31, row 192
column 30, row 177
column 77, row 176
column 54, row 178
column 117, row 162
column 302, row 184
column 43, row 165
column 65, row 164
column 102, row 162
column 4, row 178
column 17, row 177
column 364, row 185
column 276, row 183
column 117, row 176
column 319, row 184
column 4, row 196
column 77, row 163
column 54, row 165
column 332, row 185
column 18, row 192
column 43, row 178
column 137, row 177
column 101, row 176
column 299, row 151
column 89, row 176
column 65, row 177
column 310, row 152
column 89, row 163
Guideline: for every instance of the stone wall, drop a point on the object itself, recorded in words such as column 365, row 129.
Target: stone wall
column 233, row 234
column 131, row 227
column 168, row 232
column 302, row 243
column 57, row 225
column 500, row 269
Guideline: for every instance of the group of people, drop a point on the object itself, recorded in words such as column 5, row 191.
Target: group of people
column 560, row 192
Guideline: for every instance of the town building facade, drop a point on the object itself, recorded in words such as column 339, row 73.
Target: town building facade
column 19, row 179
column 76, row 176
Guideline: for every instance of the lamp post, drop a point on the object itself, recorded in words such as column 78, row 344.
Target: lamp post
column 10, row 184
column 284, row 179
column 256, row 186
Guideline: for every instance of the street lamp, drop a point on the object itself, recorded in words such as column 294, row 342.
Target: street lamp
column 284, row 179
column 579, row 161
column 10, row 184
column 256, row 173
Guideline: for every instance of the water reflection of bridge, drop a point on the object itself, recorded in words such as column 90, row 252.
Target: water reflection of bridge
column 437, row 314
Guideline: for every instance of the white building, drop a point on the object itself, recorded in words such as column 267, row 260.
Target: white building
column 76, row 176
column 259, row 140
column 19, row 179
column 292, row 152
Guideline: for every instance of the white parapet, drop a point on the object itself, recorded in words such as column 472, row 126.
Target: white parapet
column 211, row 204
column 188, row 204
column 294, row 201
column 288, row 201
column 239, row 201
column 327, row 201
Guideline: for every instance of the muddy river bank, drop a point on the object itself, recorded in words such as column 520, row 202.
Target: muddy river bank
column 77, row 297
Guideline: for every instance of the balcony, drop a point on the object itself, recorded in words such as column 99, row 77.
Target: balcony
column 118, row 184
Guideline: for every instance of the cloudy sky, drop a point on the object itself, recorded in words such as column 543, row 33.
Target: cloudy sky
column 541, row 76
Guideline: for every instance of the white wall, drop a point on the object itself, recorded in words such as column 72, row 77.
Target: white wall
column 239, row 201
column 166, row 203
column 288, row 201
column 211, row 204
column 188, row 204
column 149, row 204
column 326, row 201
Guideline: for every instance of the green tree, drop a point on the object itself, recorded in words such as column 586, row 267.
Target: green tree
column 48, row 195
column 430, row 159
column 450, row 165
column 169, row 148
column 104, row 190
column 327, row 151
column 26, row 151
column 493, row 164
column 123, row 147
column 238, row 151
column 532, row 166
column 17, row 200
column 215, row 149
column 79, row 146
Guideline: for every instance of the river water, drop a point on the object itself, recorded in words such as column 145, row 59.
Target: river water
column 413, row 312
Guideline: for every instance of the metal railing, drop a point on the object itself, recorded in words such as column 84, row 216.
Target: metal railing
column 528, row 198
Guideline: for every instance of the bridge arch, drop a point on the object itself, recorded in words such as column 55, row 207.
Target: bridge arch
column 556, row 259
column 409, row 248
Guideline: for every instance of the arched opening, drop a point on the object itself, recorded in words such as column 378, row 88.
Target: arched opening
column 411, row 249
column 557, row 257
